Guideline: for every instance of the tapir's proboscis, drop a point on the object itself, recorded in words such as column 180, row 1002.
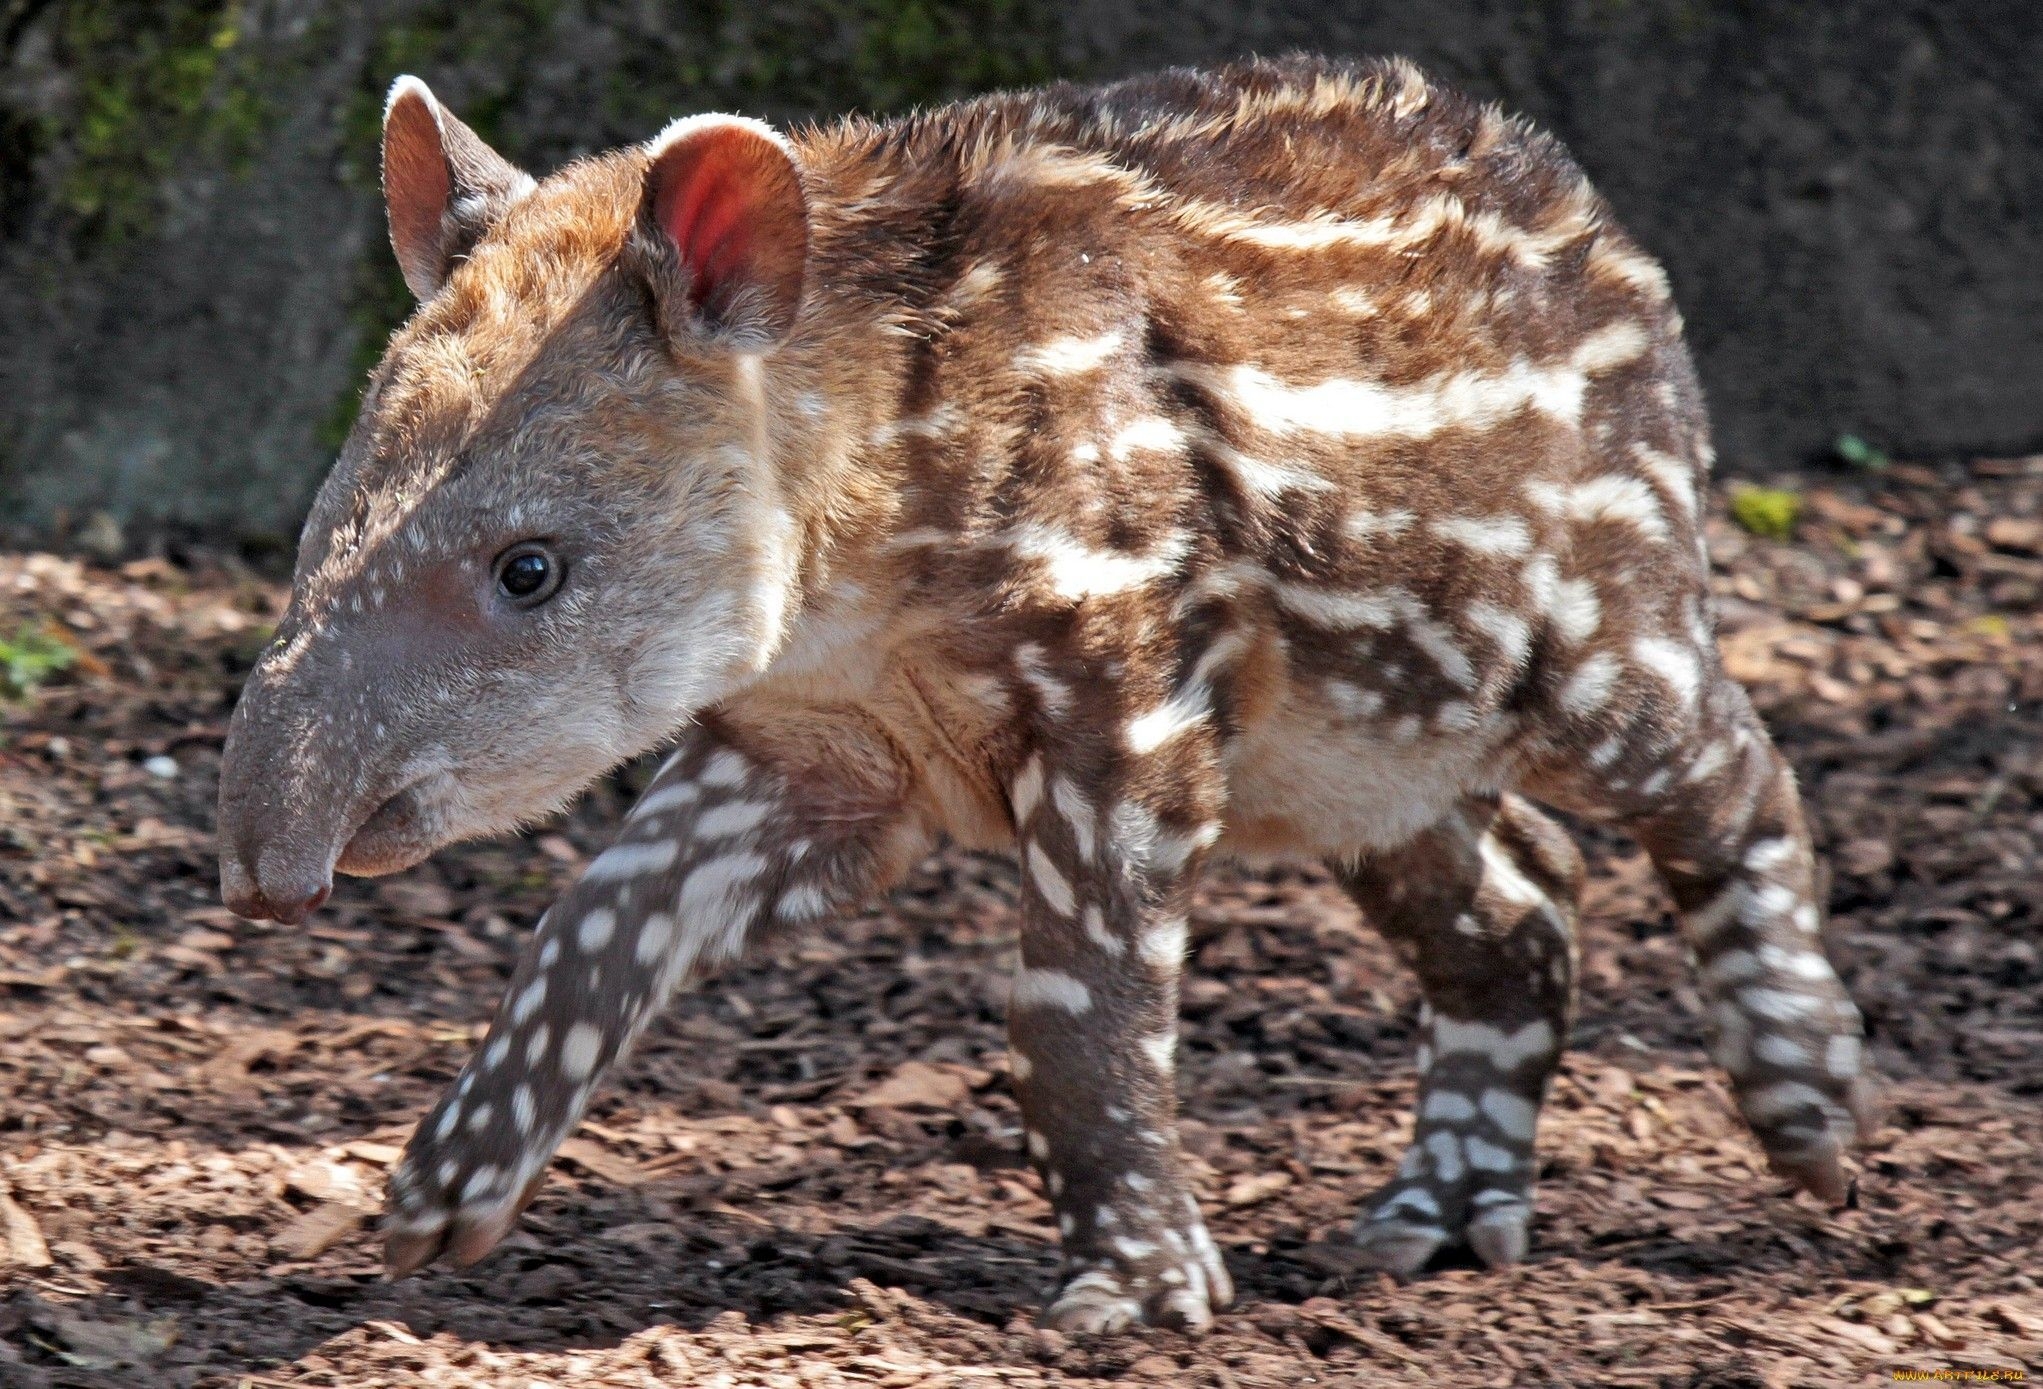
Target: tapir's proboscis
column 1292, row 459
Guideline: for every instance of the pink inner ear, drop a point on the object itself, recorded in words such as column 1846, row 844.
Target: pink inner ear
column 416, row 189
column 708, row 209
column 727, row 197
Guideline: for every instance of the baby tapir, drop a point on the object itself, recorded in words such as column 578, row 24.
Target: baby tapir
column 1292, row 458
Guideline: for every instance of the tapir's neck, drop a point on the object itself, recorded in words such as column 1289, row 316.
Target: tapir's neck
column 852, row 404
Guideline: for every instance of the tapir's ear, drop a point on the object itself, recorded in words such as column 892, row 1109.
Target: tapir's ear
column 728, row 227
column 443, row 187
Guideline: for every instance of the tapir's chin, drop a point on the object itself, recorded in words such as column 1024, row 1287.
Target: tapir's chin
column 396, row 835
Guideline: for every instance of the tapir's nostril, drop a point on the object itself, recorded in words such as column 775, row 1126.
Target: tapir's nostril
column 273, row 891
column 292, row 912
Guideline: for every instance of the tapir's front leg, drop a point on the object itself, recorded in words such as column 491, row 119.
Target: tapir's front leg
column 1107, row 853
column 743, row 835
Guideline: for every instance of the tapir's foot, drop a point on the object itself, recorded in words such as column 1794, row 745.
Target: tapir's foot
column 426, row 1219
column 1172, row 1277
column 1807, row 1125
column 1450, row 1191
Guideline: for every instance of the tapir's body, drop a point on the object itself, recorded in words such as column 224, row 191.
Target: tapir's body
column 1294, row 459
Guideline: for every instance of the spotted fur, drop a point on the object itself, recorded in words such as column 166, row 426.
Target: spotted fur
column 1293, row 458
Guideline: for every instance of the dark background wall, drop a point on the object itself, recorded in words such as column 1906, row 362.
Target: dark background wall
column 193, row 277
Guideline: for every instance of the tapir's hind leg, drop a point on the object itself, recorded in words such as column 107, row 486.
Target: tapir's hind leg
column 1483, row 907
column 1686, row 765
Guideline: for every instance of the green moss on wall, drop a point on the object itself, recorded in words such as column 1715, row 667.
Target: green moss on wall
column 152, row 86
column 138, row 108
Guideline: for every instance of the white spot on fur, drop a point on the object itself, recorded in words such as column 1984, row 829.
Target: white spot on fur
column 1675, row 479
column 1503, row 1050
column 1055, row 889
column 578, row 1051
column 1353, row 701
column 1259, row 477
column 1674, row 663
column 714, row 905
column 727, row 768
column 1070, row 355
column 733, row 817
column 1773, row 1102
column 1028, row 790
column 803, row 902
column 1575, row 609
column 1486, row 1156
column 1588, row 689
column 1078, row 571
column 1445, row 1150
column 1785, row 1052
column 1350, row 409
column 1489, row 535
column 1367, row 526
column 1514, row 1115
column 1413, row 1198
column 1613, row 497
column 1163, row 944
column 528, row 1001
column 481, row 1182
column 596, row 929
column 1446, row 1106
column 655, row 934
column 1502, row 874
column 1096, row 931
column 1054, row 694
column 1776, row 1005
column 1511, row 633
column 1050, row 988
column 1184, row 710
column 1150, row 434
column 1768, row 902
column 631, row 861
column 1077, row 812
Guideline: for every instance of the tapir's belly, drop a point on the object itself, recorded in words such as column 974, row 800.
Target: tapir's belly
column 1310, row 780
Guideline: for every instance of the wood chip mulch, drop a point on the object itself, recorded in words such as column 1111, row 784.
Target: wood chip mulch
column 810, row 1175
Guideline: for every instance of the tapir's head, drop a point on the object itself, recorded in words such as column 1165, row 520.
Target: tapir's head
column 555, row 531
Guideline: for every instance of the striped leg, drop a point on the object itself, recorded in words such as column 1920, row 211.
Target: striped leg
column 1093, row 1027
column 730, row 845
column 1722, row 820
column 1483, row 906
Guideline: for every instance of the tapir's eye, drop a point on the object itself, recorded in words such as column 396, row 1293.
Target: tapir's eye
column 528, row 574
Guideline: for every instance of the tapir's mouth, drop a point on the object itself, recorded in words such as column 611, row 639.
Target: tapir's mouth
column 397, row 834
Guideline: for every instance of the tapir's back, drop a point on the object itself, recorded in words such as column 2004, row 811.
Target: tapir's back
column 1323, row 361
column 1325, row 223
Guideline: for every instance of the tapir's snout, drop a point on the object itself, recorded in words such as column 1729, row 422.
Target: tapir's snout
column 276, row 855
column 287, row 804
